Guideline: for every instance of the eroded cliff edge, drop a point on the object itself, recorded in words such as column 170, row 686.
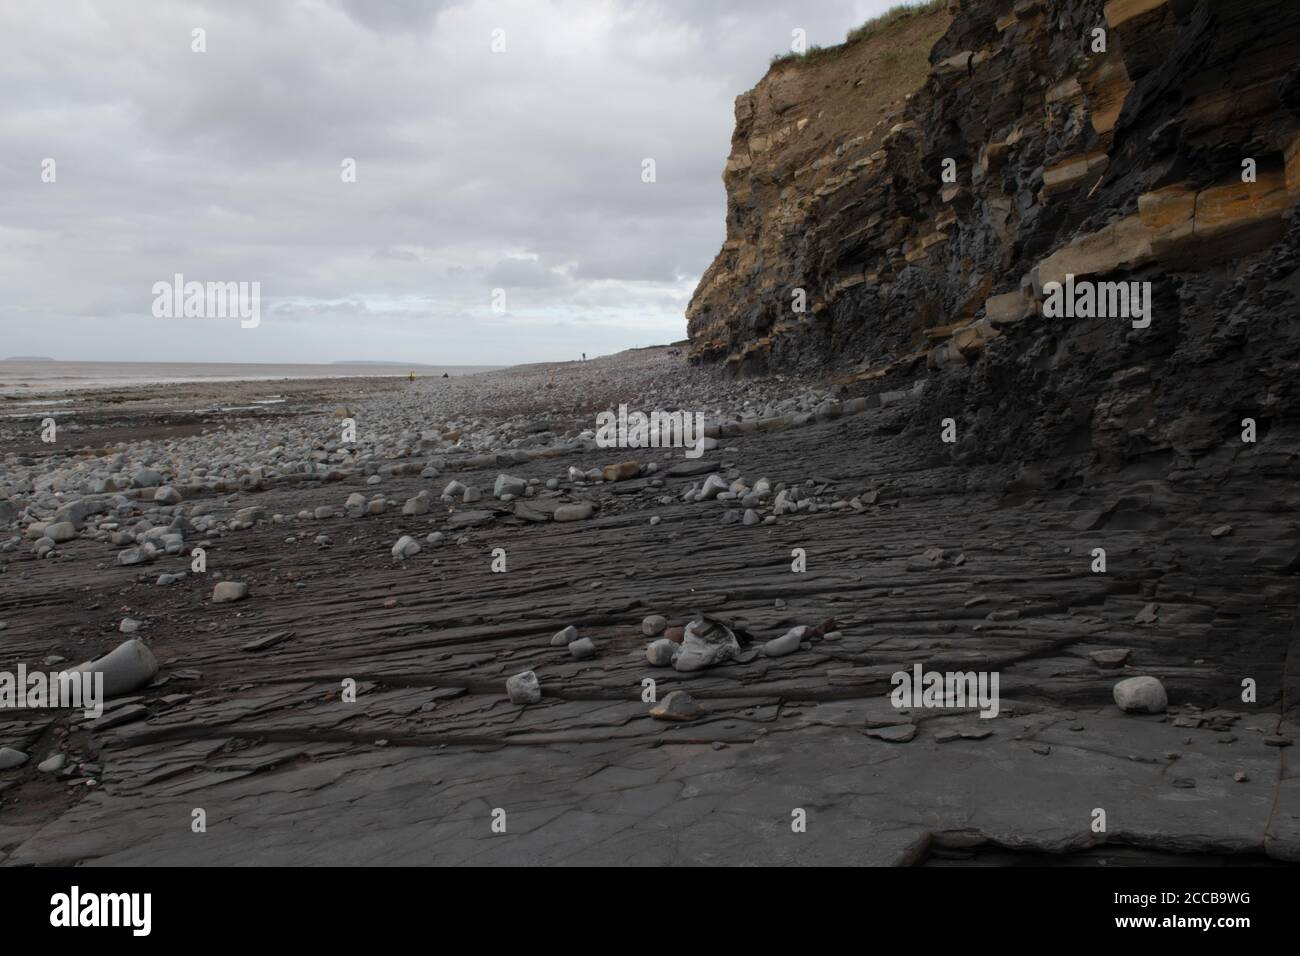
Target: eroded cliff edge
column 1122, row 164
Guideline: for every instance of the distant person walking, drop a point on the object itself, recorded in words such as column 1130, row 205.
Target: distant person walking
column 584, row 356
column 412, row 376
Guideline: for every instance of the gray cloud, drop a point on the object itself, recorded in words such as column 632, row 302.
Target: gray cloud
column 520, row 271
column 475, row 170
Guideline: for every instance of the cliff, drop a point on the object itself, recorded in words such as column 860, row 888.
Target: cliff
column 1107, row 141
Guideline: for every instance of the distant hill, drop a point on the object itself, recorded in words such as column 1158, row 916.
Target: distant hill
column 27, row 358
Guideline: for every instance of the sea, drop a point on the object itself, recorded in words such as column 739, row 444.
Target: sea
column 36, row 376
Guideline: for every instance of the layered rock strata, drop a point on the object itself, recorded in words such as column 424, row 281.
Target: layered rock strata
column 1152, row 140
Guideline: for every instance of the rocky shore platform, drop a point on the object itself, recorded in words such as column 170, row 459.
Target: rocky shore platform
column 341, row 682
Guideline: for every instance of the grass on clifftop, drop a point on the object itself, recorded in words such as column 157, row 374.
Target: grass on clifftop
column 866, row 31
column 891, row 16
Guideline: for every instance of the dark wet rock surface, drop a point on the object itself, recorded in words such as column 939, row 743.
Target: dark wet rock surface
column 247, row 717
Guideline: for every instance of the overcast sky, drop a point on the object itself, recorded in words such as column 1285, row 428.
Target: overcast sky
column 475, row 170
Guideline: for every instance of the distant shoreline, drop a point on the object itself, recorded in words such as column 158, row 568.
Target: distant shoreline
column 34, row 377
column 38, row 359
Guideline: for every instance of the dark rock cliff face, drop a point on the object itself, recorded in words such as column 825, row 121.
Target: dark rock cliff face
column 1117, row 166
